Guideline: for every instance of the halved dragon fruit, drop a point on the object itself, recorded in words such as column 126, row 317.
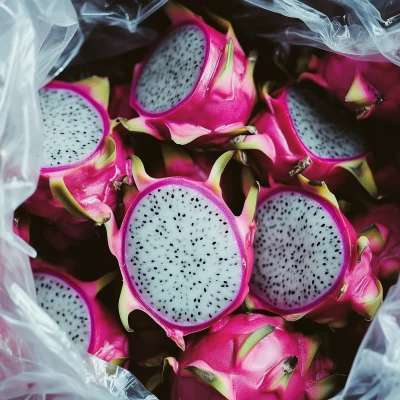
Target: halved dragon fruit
column 82, row 155
column 381, row 225
column 303, row 132
column 196, row 82
column 73, row 305
column 307, row 258
column 252, row 357
column 359, row 85
column 185, row 258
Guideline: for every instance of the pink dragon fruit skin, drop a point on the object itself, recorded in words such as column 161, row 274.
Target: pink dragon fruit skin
column 281, row 152
column 381, row 224
column 221, row 101
column 86, row 181
column 243, row 233
column 359, row 84
column 107, row 339
column 355, row 286
column 252, row 357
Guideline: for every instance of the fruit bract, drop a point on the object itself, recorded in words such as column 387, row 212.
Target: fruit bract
column 252, row 357
column 82, row 155
column 302, row 132
column 359, row 85
column 307, row 258
column 73, row 305
column 196, row 82
column 185, row 258
column 381, row 225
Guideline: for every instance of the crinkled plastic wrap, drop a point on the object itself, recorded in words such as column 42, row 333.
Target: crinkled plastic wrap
column 375, row 374
column 37, row 360
column 110, row 28
column 364, row 29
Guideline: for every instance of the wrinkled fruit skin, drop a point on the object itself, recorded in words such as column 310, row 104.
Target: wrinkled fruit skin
column 222, row 99
column 356, row 287
column 280, row 149
column 253, row 372
column 371, row 95
column 108, row 340
column 92, row 180
column 385, row 247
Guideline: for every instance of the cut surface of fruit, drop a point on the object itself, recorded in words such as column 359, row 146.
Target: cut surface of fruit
column 321, row 126
column 183, row 253
column 66, row 306
column 173, row 70
column 73, row 127
column 298, row 248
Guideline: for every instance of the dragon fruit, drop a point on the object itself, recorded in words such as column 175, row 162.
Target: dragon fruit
column 300, row 131
column 196, row 82
column 252, row 357
column 73, row 305
column 82, row 155
column 359, row 84
column 307, row 259
column 381, row 225
column 185, row 258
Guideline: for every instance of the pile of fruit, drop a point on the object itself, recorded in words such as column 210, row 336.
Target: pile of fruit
column 222, row 238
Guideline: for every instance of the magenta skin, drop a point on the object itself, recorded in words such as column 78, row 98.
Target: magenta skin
column 386, row 254
column 356, row 286
column 108, row 341
column 84, row 179
column 256, row 373
column 221, row 101
column 281, row 147
column 336, row 73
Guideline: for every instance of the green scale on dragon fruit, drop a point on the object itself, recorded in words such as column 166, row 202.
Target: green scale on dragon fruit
column 302, row 131
column 83, row 156
column 381, row 225
column 196, row 84
column 252, row 356
column 73, row 305
column 185, row 258
column 308, row 260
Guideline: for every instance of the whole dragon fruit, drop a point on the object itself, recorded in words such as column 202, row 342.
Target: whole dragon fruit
column 252, row 357
column 73, row 305
column 303, row 132
column 359, row 84
column 196, row 82
column 185, row 258
column 82, row 155
column 381, row 225
column 307, row 258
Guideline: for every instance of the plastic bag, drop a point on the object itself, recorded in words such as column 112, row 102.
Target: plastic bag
column 376, row 369
column 367, row 29
column 36, row 358
column 108, row 29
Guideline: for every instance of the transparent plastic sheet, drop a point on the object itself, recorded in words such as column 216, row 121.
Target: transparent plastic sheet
column 376, row 370
column 37, row 360
column 367, row 29
column 110, row 28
